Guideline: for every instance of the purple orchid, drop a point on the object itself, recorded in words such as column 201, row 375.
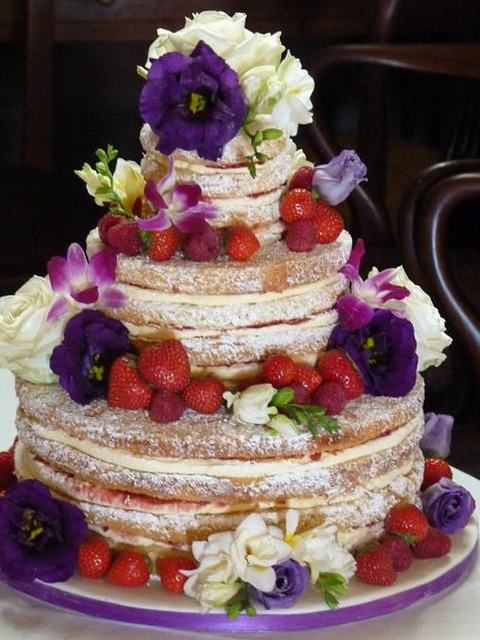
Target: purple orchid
column 193, row 102
column 82, row 283
column 437, row 435
column 384, row 351
column 337, row 179
column 291, row 581
column 356, row 309
column 39, row 534
column 180, row 205
column 447, row 505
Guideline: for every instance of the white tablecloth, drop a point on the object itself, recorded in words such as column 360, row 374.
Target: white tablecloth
column 449, row 616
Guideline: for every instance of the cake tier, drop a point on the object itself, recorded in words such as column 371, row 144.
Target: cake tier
column 179, row 482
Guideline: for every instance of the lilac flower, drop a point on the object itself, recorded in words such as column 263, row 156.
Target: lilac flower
column 192, row 102
column 384, row 351
column 447, row 505
column 39, row 535
column 356, row 309
column 176, row 204
column 291, row 582
column 82, row 283
column 337, row 179
column 90, row 345
column 437, row 435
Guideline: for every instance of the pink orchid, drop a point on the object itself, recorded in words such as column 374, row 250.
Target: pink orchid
column 81, row 283
column 180, row 205
column 355, row 310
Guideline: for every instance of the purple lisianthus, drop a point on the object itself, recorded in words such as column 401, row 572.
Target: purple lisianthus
column 193, row 102
column 39, row 535
column 447, row 505
column 337, row 179
column 437, row 435
column 384, row 351
column 82, row 361
column 291, row 582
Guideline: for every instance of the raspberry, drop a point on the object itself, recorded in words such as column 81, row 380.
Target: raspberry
column 204, row 396
column 301, row 236
column 125, row 237
column 203, row 245
column 300, row 393
column 302, row 178
column 166, row 406
column 104, row 224
column 279, row 370
column 163, row 244
column 399, row 552
column 435, row 469
column 336, row 366
column 242, row 244
column 436, row 544
column 307, row 376
column 297, row 204
column 331, row 396
column 328, row 223
column 165, row 365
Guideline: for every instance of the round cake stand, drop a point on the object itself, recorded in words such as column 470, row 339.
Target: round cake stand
column 151, row 606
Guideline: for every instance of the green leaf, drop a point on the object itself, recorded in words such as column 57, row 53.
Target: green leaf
column 261, row 157
column 257, row 139
column 330, row 586
column 283, row 397
column 272, row 134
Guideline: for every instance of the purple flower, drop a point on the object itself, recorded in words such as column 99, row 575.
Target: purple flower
column 176, row 204
column 82, row 283
column 291, row 582
column 39, row 535
column 193, row 102
column 437, row 435
column 90, row 345
column 447, row 505
column 337, row 179
column 384, row 351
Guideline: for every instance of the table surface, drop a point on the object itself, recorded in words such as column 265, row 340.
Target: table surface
column 453, row 614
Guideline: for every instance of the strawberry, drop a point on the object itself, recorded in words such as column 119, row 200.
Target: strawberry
column 307, row 376
column 279, row 370
column 331, row 396
column 435, row 545
column 169, row 570
column 165, row 365
column 407, row 521
column 125, row 237
column 126, row 389
column 242, row 243
column 205, row 395
column 297, row 204
column 104, row 224
column 399, row 552
column 163, row 244
column 336, row 366
column 128, row 569
column 166, row 406
column 375, row 566
column 435, row 469
column 302, row 178
column 328, row 223
column 7, row 469
column 300, row 235
column 94, row 558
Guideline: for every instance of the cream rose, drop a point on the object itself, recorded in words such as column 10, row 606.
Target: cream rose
column 26, row 338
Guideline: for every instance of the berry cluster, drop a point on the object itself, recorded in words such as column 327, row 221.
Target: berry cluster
column 129, row 567
column 159, row 379
column 408, row 535
column 309, row 221
column 202, row 245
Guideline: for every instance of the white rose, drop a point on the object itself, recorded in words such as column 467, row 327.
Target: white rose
column 26, row 338
column 428, row 324
column 295, row 105
column 258, row 50
column 251, row 406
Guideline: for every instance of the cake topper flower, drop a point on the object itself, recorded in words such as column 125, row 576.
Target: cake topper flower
column 39, row 534
column 193, row 102
column 178, row 204
column 337, row 179
column 447, row 505
column 81, row 283
column 392, row 289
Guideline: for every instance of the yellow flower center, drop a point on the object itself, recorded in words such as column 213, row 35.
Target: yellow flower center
column 197, row 102
column 31, row 525
column 96, row 371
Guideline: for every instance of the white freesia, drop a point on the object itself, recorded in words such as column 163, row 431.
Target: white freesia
column 256, row 547
column 295, row 105
column 282, row 425
column 428, row 324
column 93, row 181
column 26, row 338
column 251, row 406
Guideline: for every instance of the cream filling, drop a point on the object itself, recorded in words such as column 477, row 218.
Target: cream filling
column 228, row 468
